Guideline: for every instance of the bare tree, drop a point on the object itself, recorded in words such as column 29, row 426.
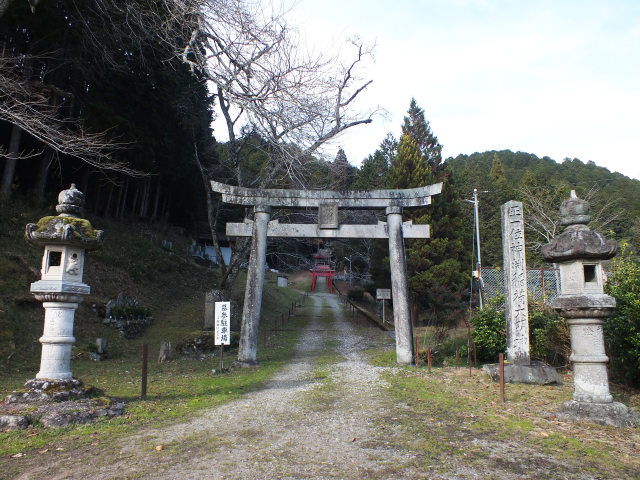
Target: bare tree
column 267, row 85
column 542, row 210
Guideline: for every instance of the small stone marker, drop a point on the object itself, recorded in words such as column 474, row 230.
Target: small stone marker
column 209, row 301
column 166, row 352
column 515, row 283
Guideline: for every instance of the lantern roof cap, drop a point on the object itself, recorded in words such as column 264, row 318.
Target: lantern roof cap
column 66, row 228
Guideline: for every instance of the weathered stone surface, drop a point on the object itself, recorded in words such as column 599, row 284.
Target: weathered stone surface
column 295, row 230
column 411, row 197
column 166, row 352
column 248, row 347
column 400, row 288
column 614, row 414
column 536, row 373
column 129, row 327
column 515, row 283
column 13, row 422
column 579, row 253
column 65, row 239
column 584, row 306
column 577, row 241
column 66, row 228
column 28, row 407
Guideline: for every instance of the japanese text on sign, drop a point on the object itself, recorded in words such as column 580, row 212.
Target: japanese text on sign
column 223, row 323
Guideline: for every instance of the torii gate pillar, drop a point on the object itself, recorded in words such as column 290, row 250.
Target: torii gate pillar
column 399, row 287
column 247, row 351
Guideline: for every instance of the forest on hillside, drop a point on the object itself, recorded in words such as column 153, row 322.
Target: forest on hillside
column 119, row 97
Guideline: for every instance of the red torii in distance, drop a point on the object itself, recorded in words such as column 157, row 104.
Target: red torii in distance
column 322, row 270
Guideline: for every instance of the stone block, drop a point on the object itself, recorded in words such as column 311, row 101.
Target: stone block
column 13, row 422
column 614, row 414
column 537, row 373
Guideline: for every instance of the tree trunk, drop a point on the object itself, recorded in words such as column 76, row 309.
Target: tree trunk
column 144, row 205
column 107, row 208
column 136, row 198
column 157, row 201
column 124, row 190
column 10, row 165
column 96, row 205
column 43, row 175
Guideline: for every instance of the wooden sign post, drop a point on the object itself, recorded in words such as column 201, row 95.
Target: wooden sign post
column 223, row 331
column 383, row 294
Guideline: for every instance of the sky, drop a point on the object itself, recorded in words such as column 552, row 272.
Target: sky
column 553, row 78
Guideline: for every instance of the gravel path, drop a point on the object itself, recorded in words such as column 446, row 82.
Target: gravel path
column 326, row 415
column 308, row 422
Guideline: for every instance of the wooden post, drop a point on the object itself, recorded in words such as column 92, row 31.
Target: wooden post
column 221, row 358
column 469, row 348
column 457, row 356
column 145, row 357
column 417, row 351
column 475, row 355
column 429, row 359
column 502, row 378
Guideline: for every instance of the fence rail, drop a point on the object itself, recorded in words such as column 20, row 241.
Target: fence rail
column 543, row 284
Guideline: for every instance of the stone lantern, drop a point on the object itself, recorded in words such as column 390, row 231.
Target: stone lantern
column 65, row 239
column 579, row 253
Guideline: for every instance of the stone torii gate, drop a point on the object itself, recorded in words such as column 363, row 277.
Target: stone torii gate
column 327, row 202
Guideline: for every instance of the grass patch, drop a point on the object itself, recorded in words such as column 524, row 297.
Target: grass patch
column 449, row 415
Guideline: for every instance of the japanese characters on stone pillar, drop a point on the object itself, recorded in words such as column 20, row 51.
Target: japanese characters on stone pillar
column 515, row 283
column 65, row 239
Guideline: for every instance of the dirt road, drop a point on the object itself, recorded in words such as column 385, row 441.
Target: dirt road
column 328, row 415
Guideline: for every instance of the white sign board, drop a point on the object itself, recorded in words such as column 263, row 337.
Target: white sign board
column 223, row 323
column 383, row 293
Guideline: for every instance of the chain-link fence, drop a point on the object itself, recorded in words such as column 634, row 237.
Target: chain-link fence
column 543, row 284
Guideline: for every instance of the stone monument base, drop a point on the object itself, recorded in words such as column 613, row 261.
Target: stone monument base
column 536, row 373
column 56, row 403
column 614, row 414
column 244, row 363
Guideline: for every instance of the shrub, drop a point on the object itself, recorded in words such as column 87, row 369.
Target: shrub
column 622, row 329
column 548, row 333
column 356, row 293
column 489, row 330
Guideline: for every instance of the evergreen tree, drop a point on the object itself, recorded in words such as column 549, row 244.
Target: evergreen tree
column 436, row 267
column 341, row 172
column 416, row 126
column 409, row 168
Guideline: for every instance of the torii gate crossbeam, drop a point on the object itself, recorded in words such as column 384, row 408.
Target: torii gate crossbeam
column 328, row 203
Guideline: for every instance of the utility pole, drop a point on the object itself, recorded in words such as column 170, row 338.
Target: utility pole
column 350, row 275
column 476, row 218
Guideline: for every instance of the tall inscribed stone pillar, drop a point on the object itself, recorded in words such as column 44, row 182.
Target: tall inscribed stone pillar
column 515, row 283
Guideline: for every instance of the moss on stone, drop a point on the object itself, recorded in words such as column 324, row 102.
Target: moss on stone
column 82, row 228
